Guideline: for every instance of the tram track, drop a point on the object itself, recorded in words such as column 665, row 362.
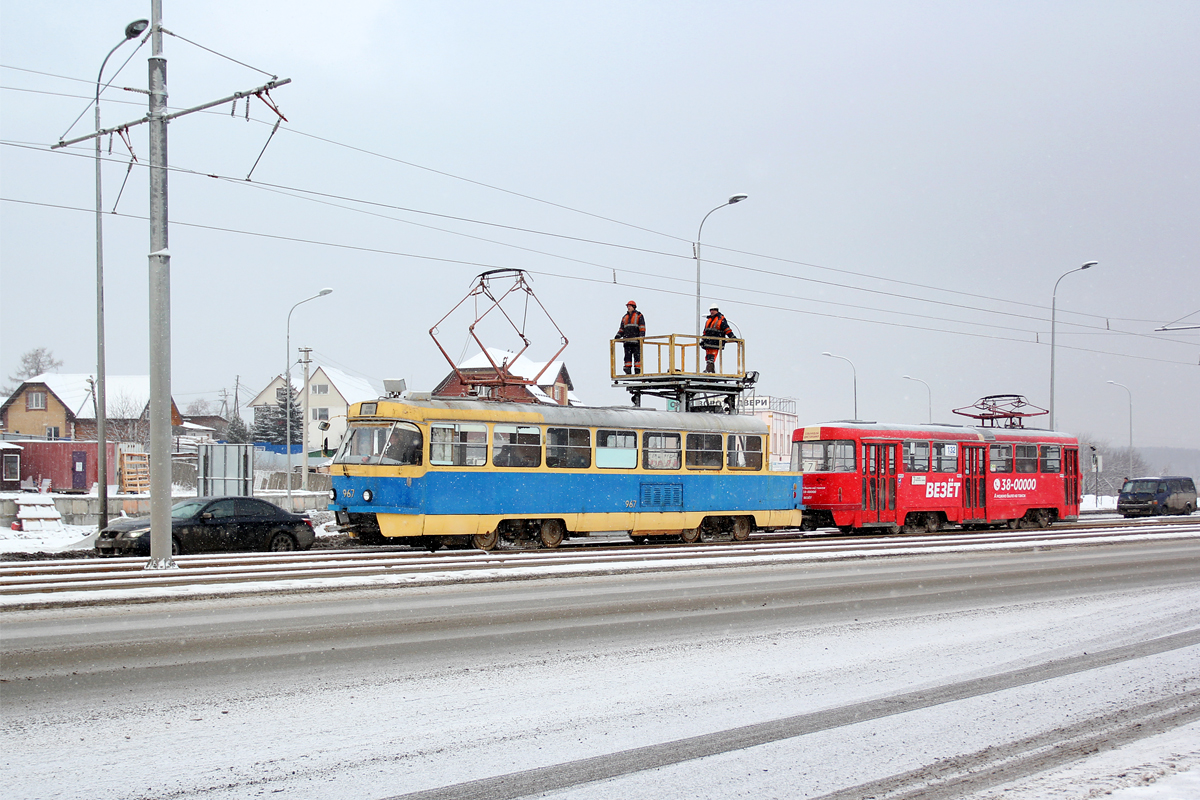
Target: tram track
column 88, row 581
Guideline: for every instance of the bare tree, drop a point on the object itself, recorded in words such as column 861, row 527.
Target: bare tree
column 33, row 362
column 128, row 421
column 1115, row 463
column 198, row 408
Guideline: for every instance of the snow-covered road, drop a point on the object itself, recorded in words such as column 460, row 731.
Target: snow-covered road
column 908, row 676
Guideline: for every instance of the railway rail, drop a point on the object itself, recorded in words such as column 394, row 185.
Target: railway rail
column 90, row 581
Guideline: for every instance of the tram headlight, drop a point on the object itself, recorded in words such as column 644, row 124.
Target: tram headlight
column 367, row 495
column 333, row 495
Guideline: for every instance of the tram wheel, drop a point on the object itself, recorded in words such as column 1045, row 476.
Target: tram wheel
column 741, row 529
column 552, row 533
column 432, row 543
column 689, row 535
column 1042, row 518
column 933, row 523
column 486, row 541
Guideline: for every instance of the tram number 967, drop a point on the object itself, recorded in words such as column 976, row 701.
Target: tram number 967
column 1014, row 485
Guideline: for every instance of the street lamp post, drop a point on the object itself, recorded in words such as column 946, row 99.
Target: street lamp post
column 737, row 198
column 132, row 31
column 928, row 394
column 287, row 390
column 1054, row 330
column 855, row 374
column 1127, row 391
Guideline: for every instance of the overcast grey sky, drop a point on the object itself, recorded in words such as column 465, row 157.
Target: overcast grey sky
column 920, row 174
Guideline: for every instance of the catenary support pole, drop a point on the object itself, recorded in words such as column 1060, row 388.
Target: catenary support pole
column 160, row 308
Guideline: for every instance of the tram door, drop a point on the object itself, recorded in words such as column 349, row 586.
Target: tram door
column 879, row 482
column 974, row 482
column 1071, row 481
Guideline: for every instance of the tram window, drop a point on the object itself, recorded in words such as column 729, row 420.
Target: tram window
column 568, row 448
column 704, row 451
column 827, row 456
column 458, row 444
column 1001, row 458
column 916, row 456
column 944, row 457
column 516, row 446
column 616, row 449
column 362, row 444
column 403, row 445
column 1051, row 459
column 661, row 450
column 745, row 452
column 1026, row 458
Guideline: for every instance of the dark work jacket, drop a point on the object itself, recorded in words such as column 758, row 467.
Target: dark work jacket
column 633, row 326
column 715, row 329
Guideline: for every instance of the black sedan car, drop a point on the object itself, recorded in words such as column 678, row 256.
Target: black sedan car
column 212, row 525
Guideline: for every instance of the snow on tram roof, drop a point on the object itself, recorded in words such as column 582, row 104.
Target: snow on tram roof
column 604, row 416
column 983, row 434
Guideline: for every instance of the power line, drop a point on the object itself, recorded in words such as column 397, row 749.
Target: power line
column 837, row 270
column 312, row 196
column 641, row 287
column 637, row 227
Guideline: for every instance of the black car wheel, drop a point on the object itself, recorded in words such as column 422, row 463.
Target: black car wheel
column 282, row 542
column 176, row 548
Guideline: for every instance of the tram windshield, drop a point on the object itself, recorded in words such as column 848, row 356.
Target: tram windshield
column 835, row 455
column 396, row 444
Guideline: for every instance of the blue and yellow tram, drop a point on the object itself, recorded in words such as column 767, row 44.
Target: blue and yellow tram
column 472, row 473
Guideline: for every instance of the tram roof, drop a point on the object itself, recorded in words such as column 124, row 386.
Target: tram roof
column 596, row 417
column 980, row 433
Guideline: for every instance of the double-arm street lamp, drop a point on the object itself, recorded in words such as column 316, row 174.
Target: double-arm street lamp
column 287, row 390
column 928, row 394
column 132, row 31
column 737, row 198
column 1054, row 330
column 855, row 374
column 1127, row 391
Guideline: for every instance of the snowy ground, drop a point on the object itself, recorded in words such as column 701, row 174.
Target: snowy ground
column 521, row 701
column 1161, row 767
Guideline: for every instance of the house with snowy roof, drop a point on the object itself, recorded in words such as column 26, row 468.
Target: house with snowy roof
column 330, row 392
column 54, row 406
column 549, row 383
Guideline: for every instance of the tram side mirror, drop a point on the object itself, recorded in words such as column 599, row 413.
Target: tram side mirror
column 324, row 425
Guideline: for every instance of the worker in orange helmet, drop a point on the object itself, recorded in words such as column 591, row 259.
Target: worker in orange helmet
column 632, row 330
column 716, row 328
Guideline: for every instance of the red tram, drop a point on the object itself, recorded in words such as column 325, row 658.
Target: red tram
column 926, row 477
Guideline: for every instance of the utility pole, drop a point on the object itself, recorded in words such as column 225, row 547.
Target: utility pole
column 160, row 307
column 307, row 351
column 160, row 285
